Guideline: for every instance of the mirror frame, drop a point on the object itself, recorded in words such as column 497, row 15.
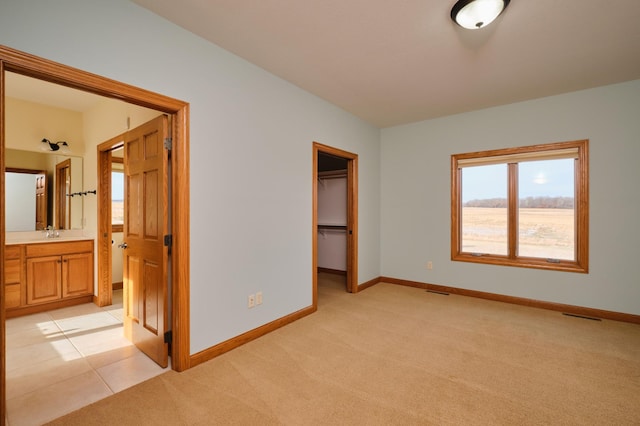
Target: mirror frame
column 56, row 195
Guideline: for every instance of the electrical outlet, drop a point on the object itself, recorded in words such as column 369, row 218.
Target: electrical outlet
column 429, row 265
column 251, row 302
column 259, row 298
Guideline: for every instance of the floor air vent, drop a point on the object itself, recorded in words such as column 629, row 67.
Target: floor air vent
column 438, row 292
column 581, row 316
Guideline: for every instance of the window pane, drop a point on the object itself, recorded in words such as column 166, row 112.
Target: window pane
column 546, row 215
column 484, row 209
column 117, row 198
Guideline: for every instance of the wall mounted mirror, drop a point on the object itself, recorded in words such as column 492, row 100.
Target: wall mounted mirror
column 63, row 177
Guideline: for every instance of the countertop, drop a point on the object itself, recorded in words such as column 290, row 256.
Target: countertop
column 38, row 237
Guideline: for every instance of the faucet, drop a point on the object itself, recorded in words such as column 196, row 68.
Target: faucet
column 50, row 232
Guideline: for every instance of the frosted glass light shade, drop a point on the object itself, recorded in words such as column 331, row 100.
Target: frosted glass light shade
column 475, row 14
column 64, row 148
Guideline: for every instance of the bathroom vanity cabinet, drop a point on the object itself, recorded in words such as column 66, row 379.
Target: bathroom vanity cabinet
column 47, row 275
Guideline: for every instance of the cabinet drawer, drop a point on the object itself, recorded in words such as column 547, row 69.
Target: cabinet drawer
column 12, row 252
column 11, row 296
column 58, row 248
column 12, row 271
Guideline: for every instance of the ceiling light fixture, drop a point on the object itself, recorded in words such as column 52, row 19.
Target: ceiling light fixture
column 47, row 145
column 475, row 14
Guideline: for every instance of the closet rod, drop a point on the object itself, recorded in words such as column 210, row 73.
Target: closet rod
column 341, row 227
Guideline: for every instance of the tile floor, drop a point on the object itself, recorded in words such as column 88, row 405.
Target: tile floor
column 62, row 360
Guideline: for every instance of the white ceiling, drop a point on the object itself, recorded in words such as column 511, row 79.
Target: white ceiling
column 394, row 62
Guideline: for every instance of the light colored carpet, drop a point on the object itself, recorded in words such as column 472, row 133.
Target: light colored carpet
column 394, row 355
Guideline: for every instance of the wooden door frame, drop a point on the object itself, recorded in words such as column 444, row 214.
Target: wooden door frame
column 32, row 66
column 352, row 217
column 62, row 203
column 104, row 239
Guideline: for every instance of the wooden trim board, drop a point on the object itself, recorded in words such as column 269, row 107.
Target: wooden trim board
column 552, row 306
column 369, row 284
column 240, row 340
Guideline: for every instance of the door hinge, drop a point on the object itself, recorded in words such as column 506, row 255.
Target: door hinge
column 168, row 143
column 168, row 337
column 168, row 242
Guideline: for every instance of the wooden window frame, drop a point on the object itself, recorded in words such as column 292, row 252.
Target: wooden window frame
column 509, row 156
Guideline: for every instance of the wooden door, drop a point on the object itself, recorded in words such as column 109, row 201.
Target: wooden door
column 145, row 263
column 41, row 201
column 62, row 197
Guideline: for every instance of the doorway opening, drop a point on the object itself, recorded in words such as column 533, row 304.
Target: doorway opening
column 335, row 216
column 31, row 66
column 106, row 228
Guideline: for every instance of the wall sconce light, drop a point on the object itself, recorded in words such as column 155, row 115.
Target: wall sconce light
column 62, row 146
column 475, row 14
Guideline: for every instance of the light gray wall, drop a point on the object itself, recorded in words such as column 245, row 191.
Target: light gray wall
column 415, row 198
column 251, row 153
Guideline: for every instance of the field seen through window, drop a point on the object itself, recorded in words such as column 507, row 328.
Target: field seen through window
column 542, row 232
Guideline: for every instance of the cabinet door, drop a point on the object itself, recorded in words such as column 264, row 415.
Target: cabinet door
column 43, row 279
column 77, row 274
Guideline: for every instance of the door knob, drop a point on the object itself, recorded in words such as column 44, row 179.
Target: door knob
column 122, row 245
